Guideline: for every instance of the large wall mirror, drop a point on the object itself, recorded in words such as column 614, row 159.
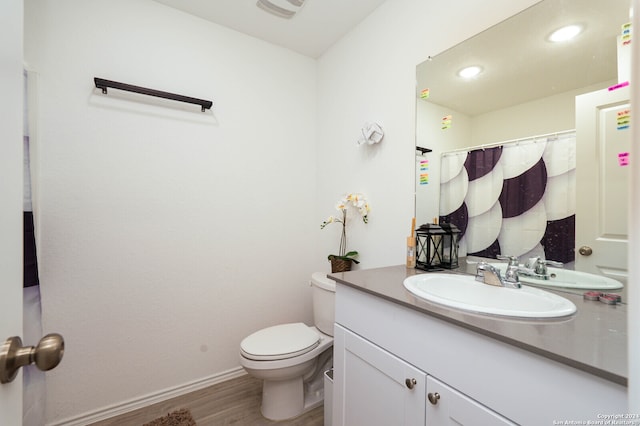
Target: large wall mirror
column 505, row 154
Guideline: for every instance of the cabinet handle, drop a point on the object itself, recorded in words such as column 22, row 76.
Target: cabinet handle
column 410, row 383
column 433, row 397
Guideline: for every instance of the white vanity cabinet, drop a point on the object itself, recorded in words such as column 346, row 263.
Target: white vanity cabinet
column 388, row 358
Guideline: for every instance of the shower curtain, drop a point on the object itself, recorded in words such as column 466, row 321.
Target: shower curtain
column 515, row 198
column 33, row 379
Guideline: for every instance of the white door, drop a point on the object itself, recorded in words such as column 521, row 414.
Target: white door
column 602, row 182
column 373, row 387
column 11, row 83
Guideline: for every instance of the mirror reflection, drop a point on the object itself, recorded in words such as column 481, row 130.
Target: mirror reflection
column 521, row 137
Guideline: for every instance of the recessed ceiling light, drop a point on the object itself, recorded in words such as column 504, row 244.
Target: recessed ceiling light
column 470, row 72
column 565, row 33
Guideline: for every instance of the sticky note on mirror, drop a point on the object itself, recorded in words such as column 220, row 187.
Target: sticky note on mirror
column 619, row 86
column 424, row 94
column 446, row 121
column 623, row 119
column 424, row 178
column 424, row 165
column 623, row 159
column 625, row 37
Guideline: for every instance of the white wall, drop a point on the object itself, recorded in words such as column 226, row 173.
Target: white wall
column 538, row 117
column 165, row 235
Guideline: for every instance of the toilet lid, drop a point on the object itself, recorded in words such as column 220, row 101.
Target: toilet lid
column 280, row 342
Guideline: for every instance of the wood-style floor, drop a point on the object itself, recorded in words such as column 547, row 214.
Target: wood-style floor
column 234, row 402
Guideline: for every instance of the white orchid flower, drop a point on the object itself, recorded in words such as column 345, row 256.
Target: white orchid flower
column 359, row 202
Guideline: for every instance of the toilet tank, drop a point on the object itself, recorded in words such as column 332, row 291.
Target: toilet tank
column 323, row 292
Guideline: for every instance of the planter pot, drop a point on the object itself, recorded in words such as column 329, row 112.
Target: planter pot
column 340, row 265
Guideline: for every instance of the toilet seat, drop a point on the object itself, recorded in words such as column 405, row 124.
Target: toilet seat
column 280, row 342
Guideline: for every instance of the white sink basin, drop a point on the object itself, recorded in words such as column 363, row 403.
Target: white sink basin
column 566, row 278
column 464, row 292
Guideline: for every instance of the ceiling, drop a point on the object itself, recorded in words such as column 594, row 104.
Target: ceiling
column 520, row 65
column 315, row 28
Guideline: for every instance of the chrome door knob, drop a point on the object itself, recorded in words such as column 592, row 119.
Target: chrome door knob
column 46, row 355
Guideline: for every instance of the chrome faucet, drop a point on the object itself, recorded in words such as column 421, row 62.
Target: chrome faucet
column 538, row 267
column 489, row 274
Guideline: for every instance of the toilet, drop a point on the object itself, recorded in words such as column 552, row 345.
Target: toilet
column 291, row 358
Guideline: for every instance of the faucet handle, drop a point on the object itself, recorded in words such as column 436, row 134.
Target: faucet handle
column 553, row 263
column 511, row 274
column 513, row 260
column 539, row 265
column 534, row 262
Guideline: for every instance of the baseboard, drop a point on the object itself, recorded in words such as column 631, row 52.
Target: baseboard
column 137, row 403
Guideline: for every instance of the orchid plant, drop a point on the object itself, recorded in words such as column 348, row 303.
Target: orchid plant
column 349, row 201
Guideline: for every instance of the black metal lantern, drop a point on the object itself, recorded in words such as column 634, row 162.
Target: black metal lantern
column 437, row 246
column 450, row 245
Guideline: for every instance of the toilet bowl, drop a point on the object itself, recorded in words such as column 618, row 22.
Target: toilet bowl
column 291, row 358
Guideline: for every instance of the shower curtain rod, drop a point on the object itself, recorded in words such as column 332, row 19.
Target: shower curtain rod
column 495, row 144
column 103, row 84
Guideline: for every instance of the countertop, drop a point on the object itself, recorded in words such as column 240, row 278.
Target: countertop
column 594, row 339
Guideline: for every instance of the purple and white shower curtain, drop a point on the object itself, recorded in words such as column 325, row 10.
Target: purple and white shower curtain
column 513, row 199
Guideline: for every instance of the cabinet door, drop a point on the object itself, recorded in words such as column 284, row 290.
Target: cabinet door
column 447, row 406
column 373, row 387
